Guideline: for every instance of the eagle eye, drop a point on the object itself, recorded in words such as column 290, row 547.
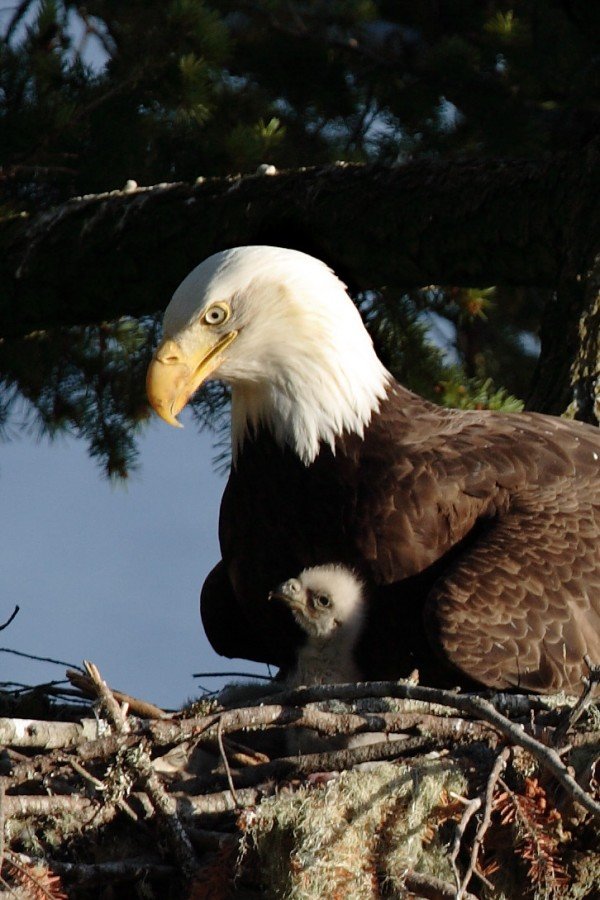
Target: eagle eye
column 216, row 314
column 322, row 600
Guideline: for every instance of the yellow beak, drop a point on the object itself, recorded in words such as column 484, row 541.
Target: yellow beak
column 173, row 376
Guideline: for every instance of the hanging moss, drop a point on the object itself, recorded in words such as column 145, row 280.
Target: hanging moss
column 357, row 834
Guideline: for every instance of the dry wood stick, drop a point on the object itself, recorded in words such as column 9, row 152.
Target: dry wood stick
column 10, row 618
column 488, row 801
column 430, row 887
column 221, row 801
column 242, row 755
column 275, row 715
column 46, row 735
column 116, row 713
column 290, row 767
column 120, row 870
column 471, row 807
column 137, row 707
column 164, row 805
column 2, row 819
column 516, row 704
column 100, row 786
column 43, row 763
column 225, row 762
column 571, row 716
column 81, row 810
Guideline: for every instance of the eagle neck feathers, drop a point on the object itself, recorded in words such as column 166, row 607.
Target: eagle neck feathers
column 318, row 397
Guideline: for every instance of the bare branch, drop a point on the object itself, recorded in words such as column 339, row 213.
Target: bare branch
column 49, row 659
column 10, row 618
column 487, row 803
column 137, row 707
column 225, row 761
column 430, row 887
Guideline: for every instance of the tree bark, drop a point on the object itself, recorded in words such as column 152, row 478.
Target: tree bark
column 586, row 367
column 568, row 367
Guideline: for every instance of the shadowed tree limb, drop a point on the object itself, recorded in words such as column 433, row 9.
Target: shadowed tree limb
column 471, row 222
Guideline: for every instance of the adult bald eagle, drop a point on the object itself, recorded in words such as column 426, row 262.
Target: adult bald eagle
column 476, row 532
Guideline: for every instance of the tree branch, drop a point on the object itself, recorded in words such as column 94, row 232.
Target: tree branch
column 467, row 222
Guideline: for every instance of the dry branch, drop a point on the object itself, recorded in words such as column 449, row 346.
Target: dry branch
column 46, row 735
column 102, row 873
column 140, row 708
column 503, row 221
column 432, row 888
column 164, row 805
column 486, row 818
column 10, row 618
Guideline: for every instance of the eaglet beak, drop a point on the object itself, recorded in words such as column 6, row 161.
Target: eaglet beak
column 173, row 376
column 289, row 592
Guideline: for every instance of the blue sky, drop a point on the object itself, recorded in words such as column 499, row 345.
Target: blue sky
column 111, row 573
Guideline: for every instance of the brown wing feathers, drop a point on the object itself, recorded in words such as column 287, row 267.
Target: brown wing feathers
column 477, row 531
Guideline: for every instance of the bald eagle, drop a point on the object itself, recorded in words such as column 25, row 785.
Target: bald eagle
column 328, row 604
column 477, row 533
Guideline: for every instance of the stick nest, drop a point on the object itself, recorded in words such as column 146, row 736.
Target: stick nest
column 400, row 790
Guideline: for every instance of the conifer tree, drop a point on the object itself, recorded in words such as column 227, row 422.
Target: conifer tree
column 94, row 96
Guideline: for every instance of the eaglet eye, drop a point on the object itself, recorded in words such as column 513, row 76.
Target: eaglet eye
column 322, row 600
column 216, row 314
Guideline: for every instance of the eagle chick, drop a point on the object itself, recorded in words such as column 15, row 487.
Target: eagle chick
column 328, row 604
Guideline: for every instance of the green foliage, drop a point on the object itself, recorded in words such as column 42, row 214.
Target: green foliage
column 87, row 382
column 474, row 393
column 91, row 96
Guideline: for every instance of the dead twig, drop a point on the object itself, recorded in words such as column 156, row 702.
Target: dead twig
column 225, row 761
column 84, row 873
column 46, row 735
column 163, row 804
column 48, row 659
column 232, row 675
column 292, row 767
column 484, row 824
column 137, row 707
column 430, row 887
column 11, row 617
column 100, row 787
column 83, row 810
column 471, row 807
column 571, row 716
column 2, row 820
column 405, row 689
column 116, row 713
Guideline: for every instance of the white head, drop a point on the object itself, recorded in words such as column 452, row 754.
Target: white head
column 279, row 327
column 327, row 602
